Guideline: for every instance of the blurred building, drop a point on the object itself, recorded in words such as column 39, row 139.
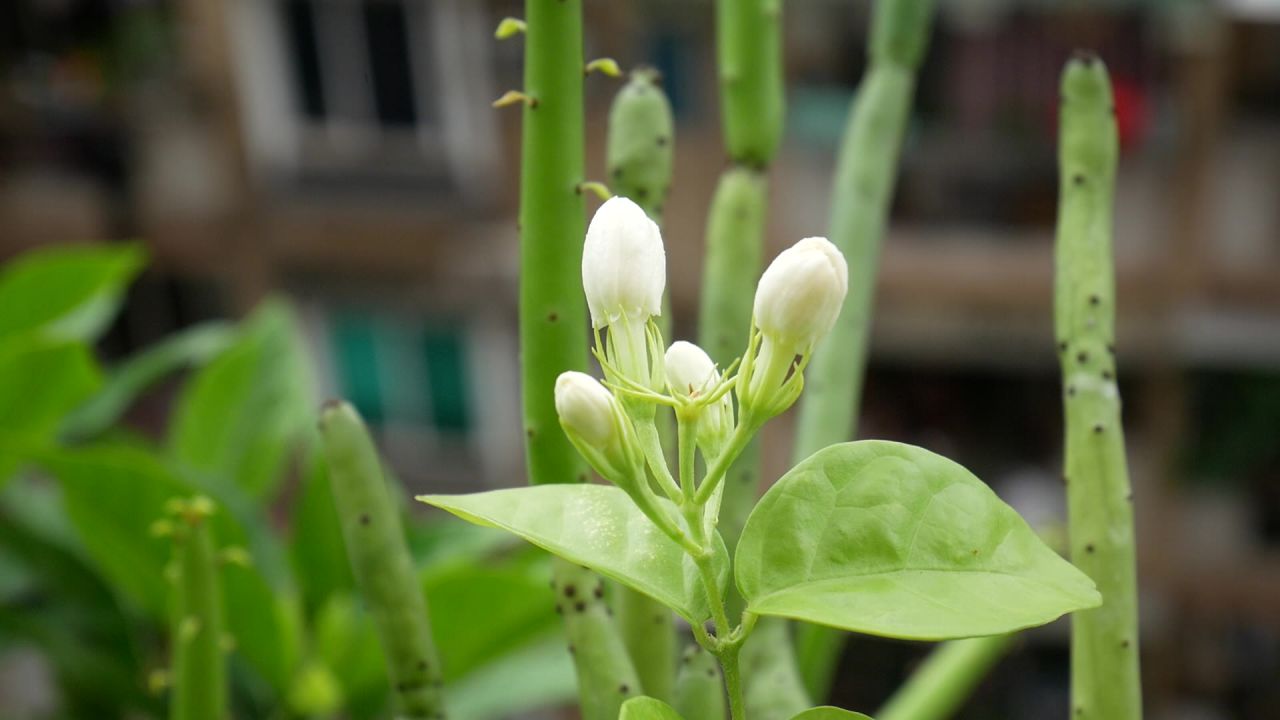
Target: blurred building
column 344, row 151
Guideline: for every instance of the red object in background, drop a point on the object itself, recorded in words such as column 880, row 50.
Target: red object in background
column 1131, row 111
column 1132, row 120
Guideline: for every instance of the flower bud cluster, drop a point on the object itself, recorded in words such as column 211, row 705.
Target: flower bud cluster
column 624, row 276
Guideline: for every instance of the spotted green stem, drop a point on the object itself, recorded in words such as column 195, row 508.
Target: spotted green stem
column 381, row 564
column 1104, row 641
column 199, row 672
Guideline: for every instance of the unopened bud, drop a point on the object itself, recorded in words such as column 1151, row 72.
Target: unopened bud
column 586, row 409
column 624, row 266
column 800, row 294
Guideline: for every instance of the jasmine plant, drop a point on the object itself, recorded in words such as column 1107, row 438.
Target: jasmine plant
column 872, row 536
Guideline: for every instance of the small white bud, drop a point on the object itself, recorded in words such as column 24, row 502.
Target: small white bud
column 624, row 266
column 800, row 294
column 690, row 370
column 586, row 408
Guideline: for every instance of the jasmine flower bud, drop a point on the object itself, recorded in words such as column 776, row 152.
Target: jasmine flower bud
column 692, row 375
column 624, row 266
column 800, row 294
column 690, row 370
column 586, row 409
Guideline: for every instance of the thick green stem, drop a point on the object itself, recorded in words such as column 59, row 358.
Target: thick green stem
column 606, row 676
column 552, row 310
column 749, row 61
column 946, row 679
column 776, row 690
column 733, row 683
column 1105, row 682
column 381, row 563
column 866, row 169
column 199, row 662
column 699, row 692
column 553, row 315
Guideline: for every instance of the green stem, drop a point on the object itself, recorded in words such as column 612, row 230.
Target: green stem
column 606, row 676
column 381, row 563
column 199, row 662
column 749, row 60
column 733, row 682
column 552, row 311
column 866, row 168
column 553, row 314
column 699, row 692
column 1104, row 641
column 942, row 683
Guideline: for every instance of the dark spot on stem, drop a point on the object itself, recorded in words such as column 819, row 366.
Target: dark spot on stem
column 1088, row 548
column 1097, row 429
column 711, row 672
column 422, row 666
column 529, row 432
column 364, row 519
column 580, row 606
column 599, row 590
column 1062, row 346
column 642, row 193
column 1094, row 299
column 662, row 141
column 617, row 173
column 582, row 477
column 1124, row 644
column 1077, row 179
column 552, row 317
column 570, row 591
column 572, row 649
column 533, row 101
column 1082, row 357
column 624, row 688
column 1106, row 374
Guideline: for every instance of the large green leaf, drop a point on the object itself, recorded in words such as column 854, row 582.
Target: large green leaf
column 597, row 526
column 113, row 494
column 239, row 417
column 516, row 606
column 124, row 383
column 40, row 382
column 890, row 539
column 647, row 708
column 66, row 293
column 537, row 676
column 265, row 624
column 826, row 712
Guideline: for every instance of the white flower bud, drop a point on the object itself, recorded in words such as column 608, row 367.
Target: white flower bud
column 689, row 369
column 624, row 266
column 586, row 408
column 800, row 294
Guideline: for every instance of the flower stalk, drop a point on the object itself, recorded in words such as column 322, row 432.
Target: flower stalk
column 199, row 674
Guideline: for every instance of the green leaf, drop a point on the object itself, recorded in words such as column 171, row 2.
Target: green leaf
column 826, row 712
column 190, row 347
column 890, row 539
column 346, row 641
column 66, row 293
column 40, row 383
column 316, row 550
column 478, row 613
column 264, row 624
column 597, row 526
column 239, row 416
column 647, row 708
column 537, row 676
column 113, row 494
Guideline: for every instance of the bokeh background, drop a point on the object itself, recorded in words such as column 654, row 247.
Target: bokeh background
column 343, row 153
